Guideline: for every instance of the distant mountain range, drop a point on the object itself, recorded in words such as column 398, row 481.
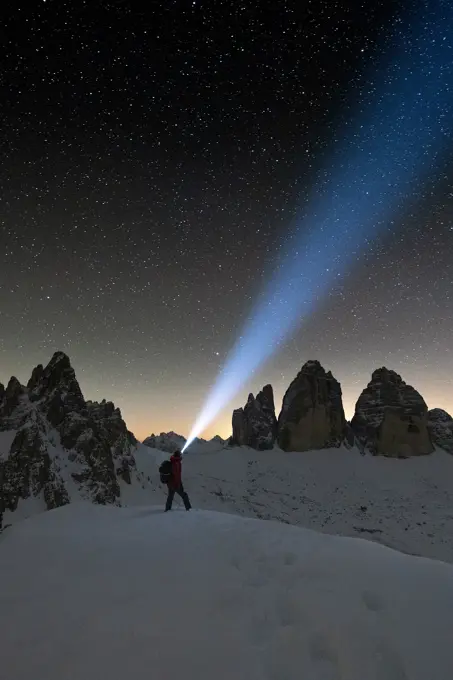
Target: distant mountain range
column 57, row 447
column 391, row 418
column 170, row 441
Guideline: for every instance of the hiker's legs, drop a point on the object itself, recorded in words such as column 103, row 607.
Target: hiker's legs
column 170, row 496
column 184, row 497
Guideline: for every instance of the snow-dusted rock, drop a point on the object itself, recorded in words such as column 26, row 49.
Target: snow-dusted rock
column 57, row 442
column 391, row 418
column 255, row 425
column 11, row 399
column 440, row 426
column 312, row 415
column 165, row 441
column 55, row 389
column 29, row 470
column 217, row 439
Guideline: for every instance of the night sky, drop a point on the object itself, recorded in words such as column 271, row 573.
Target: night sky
column 152, row 162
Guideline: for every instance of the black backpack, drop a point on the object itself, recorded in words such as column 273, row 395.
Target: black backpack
column 166, row 472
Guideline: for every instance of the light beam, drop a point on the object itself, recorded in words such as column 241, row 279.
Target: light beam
column 402, row 127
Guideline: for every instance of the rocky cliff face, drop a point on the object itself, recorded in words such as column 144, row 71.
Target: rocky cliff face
column 312, row 415
column 391, row 418
column 255, row 425
column 54, row 443
column 440, row 426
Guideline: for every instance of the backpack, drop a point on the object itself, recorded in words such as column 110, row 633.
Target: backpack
column 166, row 472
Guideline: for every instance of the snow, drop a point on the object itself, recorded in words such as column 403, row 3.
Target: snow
column 6, row 439
column 65, row 466
column 92, row 591
column 404, row 504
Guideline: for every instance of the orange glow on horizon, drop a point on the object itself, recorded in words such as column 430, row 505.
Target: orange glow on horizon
column 143, row 426
column 151, row 409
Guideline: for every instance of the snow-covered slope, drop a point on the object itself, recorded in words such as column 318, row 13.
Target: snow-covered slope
column 405, row 504
column 133, row 593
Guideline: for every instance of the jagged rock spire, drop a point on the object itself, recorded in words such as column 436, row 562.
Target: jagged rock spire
column 55, row 430
column 391, row 417
column 255, row 425
column 312, row 415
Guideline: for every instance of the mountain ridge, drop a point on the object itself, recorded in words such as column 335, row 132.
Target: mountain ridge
column 391, row 418
column 57, row 446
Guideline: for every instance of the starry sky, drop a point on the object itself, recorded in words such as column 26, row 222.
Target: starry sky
column 152, row 161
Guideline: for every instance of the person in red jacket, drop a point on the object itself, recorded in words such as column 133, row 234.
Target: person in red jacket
column 175, row 483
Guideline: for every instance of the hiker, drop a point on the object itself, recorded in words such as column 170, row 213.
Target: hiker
column 174, row 483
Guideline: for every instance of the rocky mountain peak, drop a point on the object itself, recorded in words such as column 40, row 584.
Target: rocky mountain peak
column 391, row 417
column 10, row 398
column 439, row 415
column 440, row 426
column 58, row 386
column 313, row 366
column 385, row 374
column 266, row 398
column 312, row 415
column 35, row 377
column 53, row 429
column 255, row 425
column 14, row 388
column 165, row 441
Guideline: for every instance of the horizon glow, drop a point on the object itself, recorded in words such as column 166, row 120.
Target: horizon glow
column 387, row 153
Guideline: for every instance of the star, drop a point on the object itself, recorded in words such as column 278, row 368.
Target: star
column 158, row 166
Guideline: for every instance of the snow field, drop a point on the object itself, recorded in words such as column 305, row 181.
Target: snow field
column 92, row 591
column 404, row 504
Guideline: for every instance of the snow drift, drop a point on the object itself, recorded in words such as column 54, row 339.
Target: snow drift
column 91, row 591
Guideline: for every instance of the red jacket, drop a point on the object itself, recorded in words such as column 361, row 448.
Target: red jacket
column 176, row 470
